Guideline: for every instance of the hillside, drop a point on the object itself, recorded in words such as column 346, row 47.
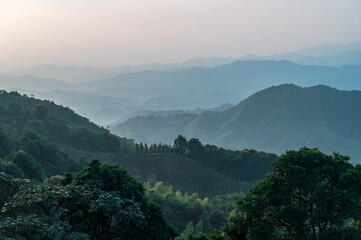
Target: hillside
column 99, row 109
column 61, row 125
column 273, row 120
column 182, row 173
column 206, row 170
column 54, row 136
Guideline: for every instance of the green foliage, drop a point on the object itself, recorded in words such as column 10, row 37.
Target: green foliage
column 6, row 144
column 40, row 111
column 26, row 164
column 247, row 165
column 84, row 139
column 59, row 124
column 309, row 195
column 111, row 178
column 100, row 204
column 180, row 145
column 274, row 120
column 33, row 227
column 9, row 186
column 32, row 157
column 190, row 213
column 176, row 170
column 212, row 235
column 53, row 161
column 13, row 109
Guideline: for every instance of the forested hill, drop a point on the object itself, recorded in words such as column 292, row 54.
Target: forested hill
column 61, row 125
column 42, row 142
column 51, row 138
column 190, row 166
column 273, row 120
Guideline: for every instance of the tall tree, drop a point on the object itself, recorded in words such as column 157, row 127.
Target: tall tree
column 180, row 144
column 309, row 195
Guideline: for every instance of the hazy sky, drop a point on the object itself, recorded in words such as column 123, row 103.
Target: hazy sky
column 120, row 32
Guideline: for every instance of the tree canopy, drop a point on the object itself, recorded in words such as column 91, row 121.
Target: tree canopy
column 103, row 202
column 309, row 195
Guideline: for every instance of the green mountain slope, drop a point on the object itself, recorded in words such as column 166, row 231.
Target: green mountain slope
column 273, row 120
column 216, row 171
column 49, row 137
column 61, row 125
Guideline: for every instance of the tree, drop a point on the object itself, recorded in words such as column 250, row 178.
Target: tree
column 309, row 195
column 114, row 180
column 31, row 168
column 6, row 144
column 194, row 148
column 13, row 109
column 111, row 177
column 103, row 202
column 180, row 144
column 40, row 111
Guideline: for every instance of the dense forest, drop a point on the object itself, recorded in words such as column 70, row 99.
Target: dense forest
column 51, row 189
column 273, row 120
column 188, row 166
column 101, row 202
column 19, row 113
column 50, row 145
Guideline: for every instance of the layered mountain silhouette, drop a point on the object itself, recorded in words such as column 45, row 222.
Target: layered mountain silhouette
column 32, row 83
column 115, row 98
column 242, row 77
column 275, row 119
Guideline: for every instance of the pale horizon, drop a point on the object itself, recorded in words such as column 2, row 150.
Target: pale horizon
column 112, row 33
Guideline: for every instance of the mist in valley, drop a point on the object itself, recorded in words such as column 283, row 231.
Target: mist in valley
column 180, row 120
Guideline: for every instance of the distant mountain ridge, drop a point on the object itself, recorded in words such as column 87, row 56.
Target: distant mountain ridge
column 8, row 82
column 350, row 57
column 329, row 49
column 325, row 55
column 107, row 95
column 117, row 97
column 81, row 74
column 273, row 120
column 241, row 77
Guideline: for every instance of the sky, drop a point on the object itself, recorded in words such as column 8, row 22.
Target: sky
column 129, row 32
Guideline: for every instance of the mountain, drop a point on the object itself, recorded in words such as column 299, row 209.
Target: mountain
column 166, row 113
column 189, row 101
column 8, row 82
column 99, row 109
column 273, row 120
column 325, row 55
column 81, row 74
column 104, row 110
column 53, row 136
column 193, row 167
column 58, row 124
column 72, row 74
column 241, row 77
column 350, row 57
column 329, row 49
